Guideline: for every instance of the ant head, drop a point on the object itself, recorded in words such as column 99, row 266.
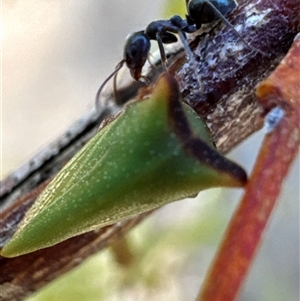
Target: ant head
column 136, row 51
column 204, row 11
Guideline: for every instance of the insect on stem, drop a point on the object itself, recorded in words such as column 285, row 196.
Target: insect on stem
column 137, row 46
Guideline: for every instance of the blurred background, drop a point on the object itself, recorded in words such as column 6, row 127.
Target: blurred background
column 55, row 54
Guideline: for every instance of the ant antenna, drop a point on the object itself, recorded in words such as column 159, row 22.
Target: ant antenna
column 97, row 98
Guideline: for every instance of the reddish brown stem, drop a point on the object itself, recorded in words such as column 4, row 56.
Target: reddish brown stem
column 276, row 155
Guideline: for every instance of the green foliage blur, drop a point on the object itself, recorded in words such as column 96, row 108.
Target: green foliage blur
column 173, row 7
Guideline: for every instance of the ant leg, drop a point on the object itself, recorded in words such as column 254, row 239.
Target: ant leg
column 162, row 51
column 148, row 60
column 190, row 56
column 186, row 46
column 232, row 27
column 97, row 98
column 146, row 80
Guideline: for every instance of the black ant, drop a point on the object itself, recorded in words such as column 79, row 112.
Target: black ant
column 137, row 45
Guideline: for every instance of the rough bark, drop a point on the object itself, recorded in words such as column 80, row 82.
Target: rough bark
column 219, row 85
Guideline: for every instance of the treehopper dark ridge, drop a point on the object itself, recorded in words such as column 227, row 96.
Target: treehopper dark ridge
column 161, row 152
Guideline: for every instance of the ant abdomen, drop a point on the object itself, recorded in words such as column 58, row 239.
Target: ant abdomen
column 201, row 11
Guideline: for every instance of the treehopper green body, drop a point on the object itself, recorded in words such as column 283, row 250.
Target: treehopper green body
column 155, row 152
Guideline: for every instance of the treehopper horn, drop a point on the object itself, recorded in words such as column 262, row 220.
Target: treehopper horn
column 155, row 152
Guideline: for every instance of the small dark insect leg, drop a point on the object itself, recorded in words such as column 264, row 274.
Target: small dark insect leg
column 186, row 46
column 217, row 12
column 162, row 51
